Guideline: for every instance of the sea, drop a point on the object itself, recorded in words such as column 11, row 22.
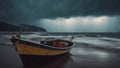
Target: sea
column 90, row 50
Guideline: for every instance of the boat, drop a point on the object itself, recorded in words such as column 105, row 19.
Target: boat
column 46, row 48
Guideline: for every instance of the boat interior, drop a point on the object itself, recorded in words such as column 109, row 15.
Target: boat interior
column 57, row 43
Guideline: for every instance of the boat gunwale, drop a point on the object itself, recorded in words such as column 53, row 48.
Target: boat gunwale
column 42, row 45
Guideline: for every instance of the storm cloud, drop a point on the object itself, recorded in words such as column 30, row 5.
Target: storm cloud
column 82, row 24
column 30, row 10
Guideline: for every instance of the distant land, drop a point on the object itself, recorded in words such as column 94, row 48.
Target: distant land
column 24, row 27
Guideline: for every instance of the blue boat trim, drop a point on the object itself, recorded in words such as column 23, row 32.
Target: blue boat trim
column 42, row 45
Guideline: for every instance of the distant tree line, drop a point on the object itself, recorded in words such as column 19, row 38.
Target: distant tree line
column 24, row 27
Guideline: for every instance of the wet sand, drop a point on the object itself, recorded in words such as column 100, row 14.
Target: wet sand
column 81, row 57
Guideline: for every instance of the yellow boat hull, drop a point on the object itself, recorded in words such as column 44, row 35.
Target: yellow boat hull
column 31, row 50
column 28, row 48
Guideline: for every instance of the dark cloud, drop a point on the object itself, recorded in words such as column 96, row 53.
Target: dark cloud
column 30, row 10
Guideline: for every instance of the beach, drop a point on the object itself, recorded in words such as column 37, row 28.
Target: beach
column 88, row 52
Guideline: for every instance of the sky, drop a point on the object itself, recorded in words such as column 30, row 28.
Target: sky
column 64, row 15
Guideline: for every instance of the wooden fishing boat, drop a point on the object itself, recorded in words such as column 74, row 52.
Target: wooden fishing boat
column 44, row 48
